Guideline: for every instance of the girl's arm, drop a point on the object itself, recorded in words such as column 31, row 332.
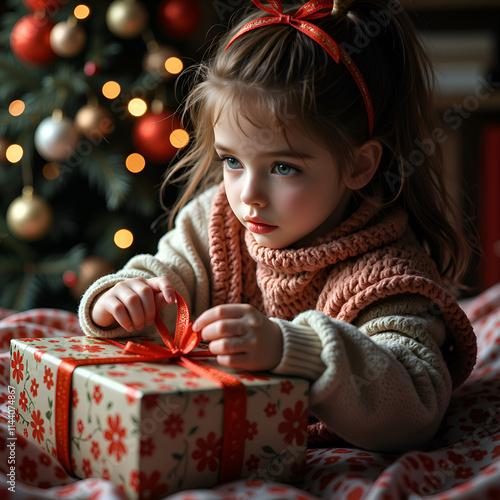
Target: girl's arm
column 182, row 257
column 381, row 384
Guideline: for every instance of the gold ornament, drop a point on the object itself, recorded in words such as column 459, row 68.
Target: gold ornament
column 155, row 58
column 29, row 216
column 91, row 269
column 126, row 18
column 94, row 121
column 67, row 38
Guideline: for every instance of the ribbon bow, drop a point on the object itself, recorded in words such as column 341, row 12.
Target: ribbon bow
column 313, row 9
column 182, row 344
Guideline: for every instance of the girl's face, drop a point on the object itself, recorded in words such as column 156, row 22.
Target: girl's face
column 285, row 197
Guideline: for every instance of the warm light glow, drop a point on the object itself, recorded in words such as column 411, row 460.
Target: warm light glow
column 16, row 108
column 135, row 163
column 111, row 89
column 14, row 153
column 51, row 171
column 137, row 107
column 81, row 11
column 123, row 238
column 174, row 65
column 179, row 138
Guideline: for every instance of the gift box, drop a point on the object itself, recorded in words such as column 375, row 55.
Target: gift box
column 156, row 427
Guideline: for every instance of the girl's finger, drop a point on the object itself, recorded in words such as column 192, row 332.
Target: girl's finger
column 226, row 328
column 228, row 346
column 234, row 361
column 217, row 313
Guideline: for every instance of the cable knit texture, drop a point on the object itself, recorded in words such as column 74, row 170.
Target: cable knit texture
column 368, row 257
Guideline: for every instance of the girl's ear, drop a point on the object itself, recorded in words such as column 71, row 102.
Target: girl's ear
column 365, row 166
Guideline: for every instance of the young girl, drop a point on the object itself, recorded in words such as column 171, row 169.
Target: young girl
column 311, row 239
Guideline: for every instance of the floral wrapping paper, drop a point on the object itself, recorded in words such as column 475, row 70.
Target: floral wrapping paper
column 155, row 428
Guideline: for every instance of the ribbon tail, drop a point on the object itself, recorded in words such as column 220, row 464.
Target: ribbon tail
column 311, row 10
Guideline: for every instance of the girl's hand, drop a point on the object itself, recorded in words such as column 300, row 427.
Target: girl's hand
column 241, row 336
column 132, row 303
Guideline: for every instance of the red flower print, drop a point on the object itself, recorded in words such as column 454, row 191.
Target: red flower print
column 270, row 409
column 208, row 452
column 117, row 374
column 28, row 470
column 37, row 424
column 97, row 394
column 192, row 384
column 131, row 394
column 251, row 430
column 286, row 387
column 95, row 450
column 115, row 434
column 463, row 472
column 201, row 400
column 25, row 432
column 105, row 474
column 167, row 375
column 48, row 378
column 477, row 454
column 17, row 366
column 150, row 369
column 173, row 425
column 134, row 480
column 147, row 447
column 79, row 426
column 456, row 458
column 34, row 387
column 151, row 486
column 295, row 423
column 190, row 375
column 44, row 460
column 23, row 400
column 496, row 452
column 87, row 469
column 253, row 462
column 38, row 355
column 17, row 417
column 87, row 348
column 74, row 399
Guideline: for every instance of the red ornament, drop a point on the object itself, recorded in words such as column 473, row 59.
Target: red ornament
column 151, row 135
column 70, row 279
column 30, row 40
column 48, row 5
column 179, row 18
column 91, row 68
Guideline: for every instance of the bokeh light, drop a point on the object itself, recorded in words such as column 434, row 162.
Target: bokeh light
column 81, row 11
column 123, row 238
column 16, row 107
column 179, row 138
column 111, row 89
column 14, row 153
column 174, row 65
column 135, row 163
column 137, row 107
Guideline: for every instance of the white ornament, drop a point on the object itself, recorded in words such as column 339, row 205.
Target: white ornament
column 56, row 139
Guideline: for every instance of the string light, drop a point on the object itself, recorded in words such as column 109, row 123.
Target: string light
column 179, row 138
column 14, row 153
column 51, row 171
column 111, row 90
column 123, row 238
column 17, row 107
column 137, row 107
column 81, row 11
column 174, row 65
column 135, row 163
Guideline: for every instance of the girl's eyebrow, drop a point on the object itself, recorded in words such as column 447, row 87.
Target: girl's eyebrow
column 288, row 153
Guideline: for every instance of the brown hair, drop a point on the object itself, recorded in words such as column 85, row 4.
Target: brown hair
column 290, row 74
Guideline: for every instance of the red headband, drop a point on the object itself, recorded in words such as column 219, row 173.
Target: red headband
column 300, row 21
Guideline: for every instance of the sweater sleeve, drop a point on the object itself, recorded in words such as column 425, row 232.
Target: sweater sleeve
column 182, row 256
column 382, row 383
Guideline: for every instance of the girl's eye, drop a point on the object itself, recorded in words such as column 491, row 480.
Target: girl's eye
column 284, row 169
column 231, row 163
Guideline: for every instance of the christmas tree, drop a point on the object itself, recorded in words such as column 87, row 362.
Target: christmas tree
column 88, row 124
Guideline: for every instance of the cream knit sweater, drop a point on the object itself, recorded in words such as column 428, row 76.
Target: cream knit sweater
column 379, row 381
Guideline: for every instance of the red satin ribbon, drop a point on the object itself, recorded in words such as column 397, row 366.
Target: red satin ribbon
column 178, row 349
column 300, row 20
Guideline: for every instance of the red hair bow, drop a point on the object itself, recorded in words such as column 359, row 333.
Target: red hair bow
column 313, row 9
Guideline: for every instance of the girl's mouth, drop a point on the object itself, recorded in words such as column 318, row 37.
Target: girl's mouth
column 259, row 227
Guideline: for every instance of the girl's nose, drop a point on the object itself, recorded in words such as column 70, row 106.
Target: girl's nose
column 253, row 192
